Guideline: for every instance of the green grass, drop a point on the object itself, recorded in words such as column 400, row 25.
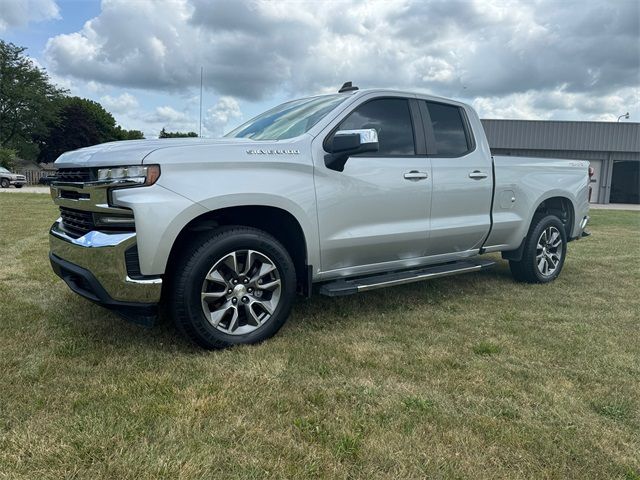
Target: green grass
column 465, row 377
column 486, row 348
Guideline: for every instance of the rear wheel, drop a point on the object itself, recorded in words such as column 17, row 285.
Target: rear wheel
column 233, row 287
column 544, row 252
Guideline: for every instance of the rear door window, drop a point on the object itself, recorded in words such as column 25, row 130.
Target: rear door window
column 451, row 139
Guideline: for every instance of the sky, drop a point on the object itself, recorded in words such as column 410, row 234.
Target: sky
column 516, row 59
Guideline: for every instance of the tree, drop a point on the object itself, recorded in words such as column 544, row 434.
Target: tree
column 7, row 158
column 123, row 134
column 165, row 134
column 81, row 123
column 26, row 100
column 39, row 120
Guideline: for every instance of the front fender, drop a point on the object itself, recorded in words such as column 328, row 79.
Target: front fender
column 188, row 189
column 160, row 215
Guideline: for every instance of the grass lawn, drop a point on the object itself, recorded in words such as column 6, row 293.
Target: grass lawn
column 465, row 377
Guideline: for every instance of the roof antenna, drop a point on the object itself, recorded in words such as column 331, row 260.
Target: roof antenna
column 347, row 87
column 201, row 75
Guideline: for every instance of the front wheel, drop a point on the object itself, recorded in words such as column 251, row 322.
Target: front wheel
column 18, row 186
column 232, row 287
column 4, row 183
column 544, row 251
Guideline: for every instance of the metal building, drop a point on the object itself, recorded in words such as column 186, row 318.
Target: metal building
column 612, row 148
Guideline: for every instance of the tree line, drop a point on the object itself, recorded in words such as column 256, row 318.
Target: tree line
column 39, row 121
column 165, row 134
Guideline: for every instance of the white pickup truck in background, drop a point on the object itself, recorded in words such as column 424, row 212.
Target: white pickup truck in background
column 352, row 191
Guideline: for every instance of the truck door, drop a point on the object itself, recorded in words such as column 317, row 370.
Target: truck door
column 462, row 180
column 376, row 211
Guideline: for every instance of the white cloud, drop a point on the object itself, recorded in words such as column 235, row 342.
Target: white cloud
column 215, row 120
column 167, row 114
column 95, row 87
column 161, row 117
column 19, row 13
column 218, row 117
column 509, row 57
column 514, row 106
column 123, row 103
column 558, row 104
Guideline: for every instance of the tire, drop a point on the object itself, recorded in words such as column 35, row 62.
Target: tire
column 18, row 186
column 4, row 183
column 541, row 265
column 254, row 307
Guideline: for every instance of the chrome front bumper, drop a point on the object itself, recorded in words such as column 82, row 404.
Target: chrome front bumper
column 103, row 256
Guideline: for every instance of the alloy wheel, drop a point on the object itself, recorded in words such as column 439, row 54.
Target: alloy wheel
column 241, row 292
column 549, row 251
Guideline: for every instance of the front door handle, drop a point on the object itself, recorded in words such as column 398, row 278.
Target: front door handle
column 477, row 175
column 415, row 175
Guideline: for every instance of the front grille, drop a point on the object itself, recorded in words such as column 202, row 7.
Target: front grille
column 75, row 175
column 76, row 222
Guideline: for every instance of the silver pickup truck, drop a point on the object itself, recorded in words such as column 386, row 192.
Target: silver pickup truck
column 7, row 179
column 335, row 194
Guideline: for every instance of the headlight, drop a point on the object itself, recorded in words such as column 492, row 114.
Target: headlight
column 137, row 174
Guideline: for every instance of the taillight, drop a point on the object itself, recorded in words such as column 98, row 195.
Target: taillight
column 592, row 172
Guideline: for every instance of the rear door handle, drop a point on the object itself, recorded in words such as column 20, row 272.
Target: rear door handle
column 415, row 175
column 477, row 175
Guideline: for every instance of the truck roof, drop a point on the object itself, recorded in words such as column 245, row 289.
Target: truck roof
column 422, row 95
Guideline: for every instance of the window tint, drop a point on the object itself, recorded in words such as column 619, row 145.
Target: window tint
column 391, row 118
column 448, row 128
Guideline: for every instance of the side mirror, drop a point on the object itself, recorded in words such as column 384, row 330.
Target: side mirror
column 350, row 142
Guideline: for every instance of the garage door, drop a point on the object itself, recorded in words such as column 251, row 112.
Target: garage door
column 625, row 182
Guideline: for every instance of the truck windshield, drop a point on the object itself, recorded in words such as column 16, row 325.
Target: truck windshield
column 4, row 170
column 289, row 119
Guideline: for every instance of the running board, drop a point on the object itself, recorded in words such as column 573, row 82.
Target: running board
column 362, row 284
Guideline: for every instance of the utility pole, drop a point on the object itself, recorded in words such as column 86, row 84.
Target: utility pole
column 201, row 75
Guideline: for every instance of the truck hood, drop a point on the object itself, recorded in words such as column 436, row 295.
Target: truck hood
column 133, row 152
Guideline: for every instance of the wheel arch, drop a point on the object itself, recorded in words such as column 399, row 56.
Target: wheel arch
column 560, row 205
column 277, row 222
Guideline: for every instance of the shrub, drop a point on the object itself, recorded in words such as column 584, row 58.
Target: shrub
column 7, row 158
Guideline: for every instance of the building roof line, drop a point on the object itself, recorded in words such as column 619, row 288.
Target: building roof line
column 597, row 122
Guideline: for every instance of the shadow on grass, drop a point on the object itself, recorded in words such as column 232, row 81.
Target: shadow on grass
column 374, row 305
column 102, row 327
